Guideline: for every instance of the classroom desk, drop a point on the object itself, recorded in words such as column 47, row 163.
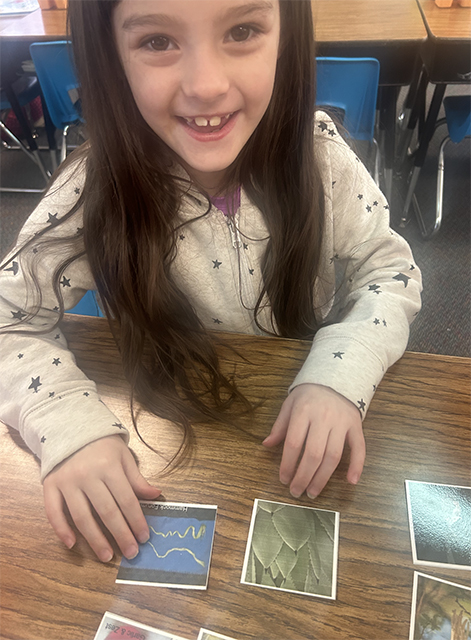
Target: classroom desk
column 447, row 51
column 446, row 57
column 336, row 22
column 342, row 27
column 418, row 428
column 391, row 32
column 34, row 26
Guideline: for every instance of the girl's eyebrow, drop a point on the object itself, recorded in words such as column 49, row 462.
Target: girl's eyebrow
column 162, row 19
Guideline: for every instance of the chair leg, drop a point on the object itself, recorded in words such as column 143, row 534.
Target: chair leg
column 32, row 155
column 414, row 177
column 377, row 162
column 440, row 180
column 409, row 119
column 50, row 132
column 424, row 142
column 16, row 141
column 439, row 200
column 64, row 143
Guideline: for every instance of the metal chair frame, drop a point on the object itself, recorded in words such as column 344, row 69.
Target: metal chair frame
column 439, row 191
column 16, row 102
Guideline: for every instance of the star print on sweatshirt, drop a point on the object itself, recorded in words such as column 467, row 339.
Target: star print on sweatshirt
column 365, row 321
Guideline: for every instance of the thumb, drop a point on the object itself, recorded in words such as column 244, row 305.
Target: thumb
column 280, row 426
column 139, row 484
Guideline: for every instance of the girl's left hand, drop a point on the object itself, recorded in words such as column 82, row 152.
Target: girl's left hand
column 315, row 421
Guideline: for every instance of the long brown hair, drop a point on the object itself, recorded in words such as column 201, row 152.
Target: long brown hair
column 130, row 217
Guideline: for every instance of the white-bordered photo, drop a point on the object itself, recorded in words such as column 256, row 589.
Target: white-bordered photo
column 114, row 627
column 441, row 610
column 205, row 634
column 439, row 524
column 178, row 552
column 292, row 548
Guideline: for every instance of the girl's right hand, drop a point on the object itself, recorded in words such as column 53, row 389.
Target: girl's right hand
column 104, row 476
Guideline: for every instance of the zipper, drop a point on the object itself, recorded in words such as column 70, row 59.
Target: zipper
column 234, row 231
column 247, row 287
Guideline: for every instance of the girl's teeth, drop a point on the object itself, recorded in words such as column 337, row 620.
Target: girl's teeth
column 215, row 121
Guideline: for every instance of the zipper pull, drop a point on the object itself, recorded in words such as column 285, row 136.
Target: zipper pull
column 234, row 231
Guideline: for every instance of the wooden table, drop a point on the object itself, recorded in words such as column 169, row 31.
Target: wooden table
column 453, row 23
column 336, row 22
column 392, row 32
column 447, row 52
column 37, row 25
column 418, row 428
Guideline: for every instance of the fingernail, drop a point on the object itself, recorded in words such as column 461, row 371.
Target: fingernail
column 105, row 555
column 295, row 494
column 312, row 496
column 131, row 552
column 143, row 536
column 354, row 480
column 69, row 543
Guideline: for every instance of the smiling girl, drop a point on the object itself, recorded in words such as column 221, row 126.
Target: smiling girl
column 210, row 195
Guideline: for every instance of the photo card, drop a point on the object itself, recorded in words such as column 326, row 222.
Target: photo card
column 292, row 548
column 114, row 627
column 178, row 552
column 14, row 7
column 439, row 524
column 205, row 634
column 440, row 609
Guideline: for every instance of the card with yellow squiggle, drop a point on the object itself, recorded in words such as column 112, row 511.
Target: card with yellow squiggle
column 178, row 552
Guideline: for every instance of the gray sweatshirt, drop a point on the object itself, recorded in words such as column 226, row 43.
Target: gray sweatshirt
column 367, row 293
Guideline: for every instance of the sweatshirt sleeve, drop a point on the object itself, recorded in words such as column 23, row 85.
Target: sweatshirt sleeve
column 43, row 394
column 377, row 283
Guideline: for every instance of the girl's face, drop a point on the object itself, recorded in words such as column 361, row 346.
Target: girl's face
column 201, row 73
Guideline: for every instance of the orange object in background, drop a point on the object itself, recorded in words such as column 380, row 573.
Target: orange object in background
column 448, row 3
column 52, row 4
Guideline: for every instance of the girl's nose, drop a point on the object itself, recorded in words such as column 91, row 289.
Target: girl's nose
column 205, row 78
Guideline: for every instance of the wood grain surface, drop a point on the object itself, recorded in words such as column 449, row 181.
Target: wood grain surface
column 38, row 25
column 418, row 428
column 334, row 21
column 363, row 21
column 453, row 23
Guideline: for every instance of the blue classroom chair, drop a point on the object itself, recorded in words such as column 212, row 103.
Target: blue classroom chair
column 59, row 85
column 458, row 121
column 349, row 86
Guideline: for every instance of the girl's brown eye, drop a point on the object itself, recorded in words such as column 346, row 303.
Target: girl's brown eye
column 240, row 33
column 159, row 43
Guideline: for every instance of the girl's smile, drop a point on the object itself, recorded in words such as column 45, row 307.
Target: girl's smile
column 210, row 128
column 201, row 73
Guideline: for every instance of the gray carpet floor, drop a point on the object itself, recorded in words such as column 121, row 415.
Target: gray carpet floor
column 444, row 324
